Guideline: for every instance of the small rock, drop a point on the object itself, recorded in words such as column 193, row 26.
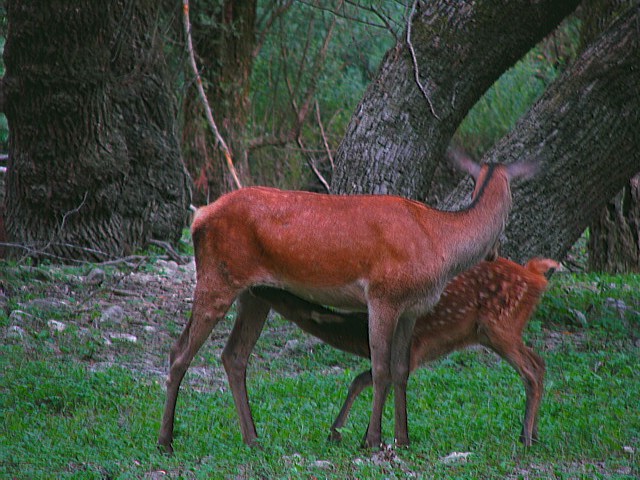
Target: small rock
column 149, row 329
column 455, row 457
column 18, row 316
column 291, row 346
column 628, row 449
column 323, row 464
column 167, row 265
column 386, row 454
column 615, row 303
column 113, row 314
column 155, row 475
column 295, row 459
column 84, row 332
column 123, row 336
column 14, row 331
column 95, row 277
column 56, row 326
column 46, row 304
column 580, row 317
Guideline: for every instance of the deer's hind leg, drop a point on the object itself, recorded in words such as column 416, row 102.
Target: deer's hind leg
column 208, row 308
column 252, row 313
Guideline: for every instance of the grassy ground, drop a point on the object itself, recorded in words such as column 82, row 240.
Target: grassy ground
column 86, row 402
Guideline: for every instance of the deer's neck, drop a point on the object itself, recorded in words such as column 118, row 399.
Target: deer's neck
column 472, row 233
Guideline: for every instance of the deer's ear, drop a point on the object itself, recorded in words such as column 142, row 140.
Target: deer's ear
column 463, row 162
column 524, row 169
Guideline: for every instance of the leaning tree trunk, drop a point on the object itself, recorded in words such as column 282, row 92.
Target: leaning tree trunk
column 585, row 132
column 395, row 142
column 614, row 235
column 224, row 38
column 94, row 169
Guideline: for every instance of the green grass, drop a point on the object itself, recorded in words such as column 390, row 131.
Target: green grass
column 66, row 413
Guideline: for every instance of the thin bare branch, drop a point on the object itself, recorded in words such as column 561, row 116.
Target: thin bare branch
column 203, row 96
column 40, row 251
column 386, row 20
column 273, row 140
column 312, row 164
column 317, row 66
column 31, row 250
column 301, row 111
column 324, row 137
column 171, row 252
column 339, row 12
column 416, row 72
column 268, row 23
column 75, row 210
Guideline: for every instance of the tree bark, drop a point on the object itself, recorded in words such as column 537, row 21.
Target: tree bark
column 394, row 142
column 94, row 168
column 614, row 243
column 614, row 235
column 584, row 131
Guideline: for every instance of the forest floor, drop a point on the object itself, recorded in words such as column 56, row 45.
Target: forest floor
column 127, row 315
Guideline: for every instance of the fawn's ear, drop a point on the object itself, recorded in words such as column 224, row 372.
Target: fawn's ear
column 542, row 265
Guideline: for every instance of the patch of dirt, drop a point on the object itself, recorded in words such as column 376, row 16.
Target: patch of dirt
column 101, row 315
column 128, row 316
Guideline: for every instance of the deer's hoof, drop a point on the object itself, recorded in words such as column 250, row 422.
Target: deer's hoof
column 166, row 449
column 402, row 442
column 528, row 440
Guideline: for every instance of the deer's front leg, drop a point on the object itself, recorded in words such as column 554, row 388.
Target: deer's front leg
column 382, row 323
column 400, row 366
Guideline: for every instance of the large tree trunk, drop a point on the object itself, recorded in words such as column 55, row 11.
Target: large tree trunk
column 394, row 142
column 614, row 235
column 224, row 38
column 94, row 168
column 584, row 130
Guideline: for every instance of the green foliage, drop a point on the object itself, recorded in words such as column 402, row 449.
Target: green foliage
column 288, row 67
column 497, row 112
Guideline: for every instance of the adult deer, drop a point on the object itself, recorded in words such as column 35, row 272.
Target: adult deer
column 489, row 304
column 385, row 255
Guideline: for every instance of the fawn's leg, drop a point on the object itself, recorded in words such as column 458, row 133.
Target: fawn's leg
column 530, row 367
column 358, row 384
